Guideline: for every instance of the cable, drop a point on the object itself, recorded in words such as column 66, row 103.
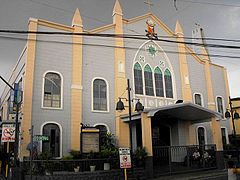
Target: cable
column 125, row 47
column 209, row 3
column 119, row 36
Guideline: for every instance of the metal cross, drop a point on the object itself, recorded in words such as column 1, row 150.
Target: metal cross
column 148, row 2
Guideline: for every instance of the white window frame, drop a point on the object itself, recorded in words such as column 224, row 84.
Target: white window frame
column 143, row 77
column 164, row 84
column 226, row 132
column 223, row 104
column 102, row 124
column 154, row 84
column 170, row 68
column 61, row 130
column 200, row 96
column 101, row 78
column 143, row 82
column 205, row 134
column 43, row 83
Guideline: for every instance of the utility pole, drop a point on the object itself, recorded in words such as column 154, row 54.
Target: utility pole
column 17, row 101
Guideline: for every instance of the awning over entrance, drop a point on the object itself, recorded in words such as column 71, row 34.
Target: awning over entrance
column 181, row 111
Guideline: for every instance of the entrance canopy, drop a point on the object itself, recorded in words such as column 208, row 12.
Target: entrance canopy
column 182, row 111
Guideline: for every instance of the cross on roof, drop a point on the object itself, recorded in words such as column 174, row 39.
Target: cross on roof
column 150, row 4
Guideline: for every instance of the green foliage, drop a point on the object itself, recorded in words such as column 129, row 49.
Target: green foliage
column 69, row 157
column 108, row 152
column 46, row 155
column 75, row 154
column 140, row 153
column 108, row 148
column 108, row 140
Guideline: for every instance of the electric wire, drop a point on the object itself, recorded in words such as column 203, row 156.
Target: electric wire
column 124, row 47
column 120, row 36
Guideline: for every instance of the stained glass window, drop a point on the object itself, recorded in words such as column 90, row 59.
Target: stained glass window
column 138, row 79
column 168, row 84
column 148, row 80
column 158, row 82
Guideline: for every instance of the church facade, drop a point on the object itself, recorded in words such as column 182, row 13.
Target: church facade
column 72, row 79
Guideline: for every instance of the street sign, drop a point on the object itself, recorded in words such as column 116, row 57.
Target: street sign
column 41, row 138
column 125, row 158
column 8, row 133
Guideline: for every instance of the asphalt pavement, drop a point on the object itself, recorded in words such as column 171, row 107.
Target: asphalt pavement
column 201, row 175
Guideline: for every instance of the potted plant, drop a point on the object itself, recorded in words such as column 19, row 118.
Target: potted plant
column 107, row 153
column 108, row 150
column 76, row 169
column 92, row 165
column 140, row 154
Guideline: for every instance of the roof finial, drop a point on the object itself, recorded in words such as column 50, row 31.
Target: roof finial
column 77, row 20
column 117, row 8
column 178, row 28
column 150, row 4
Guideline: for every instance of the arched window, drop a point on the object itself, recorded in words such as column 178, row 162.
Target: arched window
column 138, row 79
column 102, row 134
column 224, row 136
column 220, row 105
column 52, row 90
column 198, row 99
column 201, row 136
column 168, row 83
column 158, row 82
column 53, row 145
column 148, row 80
column 99, row 95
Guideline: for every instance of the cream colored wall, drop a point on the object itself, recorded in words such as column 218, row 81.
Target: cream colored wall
column 76, row 94
column 28, row 89
column 122, row 129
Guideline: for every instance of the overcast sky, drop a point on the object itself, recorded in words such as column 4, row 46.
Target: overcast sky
column 218, row 18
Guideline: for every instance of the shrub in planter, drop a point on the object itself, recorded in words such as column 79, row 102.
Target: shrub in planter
column 139, row 155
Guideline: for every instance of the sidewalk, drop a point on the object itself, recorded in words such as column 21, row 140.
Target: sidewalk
column 200, row 175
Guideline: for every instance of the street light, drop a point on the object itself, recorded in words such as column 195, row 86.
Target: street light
column 138, row 107
column 234, row 115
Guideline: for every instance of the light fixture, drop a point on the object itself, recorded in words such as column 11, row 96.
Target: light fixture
column 120, row 105
column 139, row 107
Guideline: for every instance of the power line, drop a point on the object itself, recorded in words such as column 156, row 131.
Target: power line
column 209, row 3
column 126, row 36
column 123, row 35
column 127, row 47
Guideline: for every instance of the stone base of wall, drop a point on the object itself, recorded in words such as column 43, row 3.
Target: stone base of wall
column 138, row 173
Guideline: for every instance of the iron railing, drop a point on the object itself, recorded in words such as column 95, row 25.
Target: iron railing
column 174, row 159
column 41, row 166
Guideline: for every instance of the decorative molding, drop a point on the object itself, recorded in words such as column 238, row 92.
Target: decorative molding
column 76, row 86
column 61, row 130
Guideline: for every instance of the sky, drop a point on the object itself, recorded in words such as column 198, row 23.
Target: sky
column 218, row 18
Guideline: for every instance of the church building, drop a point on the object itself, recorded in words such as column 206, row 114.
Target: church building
column 76, row 76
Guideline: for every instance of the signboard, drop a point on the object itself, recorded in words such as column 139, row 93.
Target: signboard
column 8, row 133
column 90, row 140
column 41, row 138
column 125, row 158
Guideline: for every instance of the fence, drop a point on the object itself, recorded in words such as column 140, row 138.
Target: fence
column 40, row 166
column 175, row 159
